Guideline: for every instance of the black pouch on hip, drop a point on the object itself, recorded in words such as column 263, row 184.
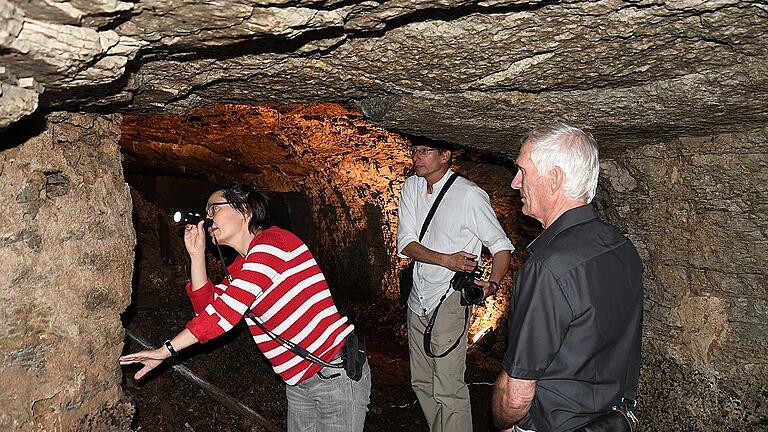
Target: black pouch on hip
column 618, row 419
column 353, row 353
column 405, row 278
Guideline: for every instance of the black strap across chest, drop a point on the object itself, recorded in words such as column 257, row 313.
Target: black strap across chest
column 433, row 209
column 431, row 323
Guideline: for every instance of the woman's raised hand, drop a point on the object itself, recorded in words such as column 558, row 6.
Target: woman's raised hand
column 194, row 239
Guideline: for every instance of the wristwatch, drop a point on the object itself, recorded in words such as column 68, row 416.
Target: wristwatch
column 170, row 349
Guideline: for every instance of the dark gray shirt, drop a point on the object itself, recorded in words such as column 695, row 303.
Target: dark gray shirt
column 575, row 321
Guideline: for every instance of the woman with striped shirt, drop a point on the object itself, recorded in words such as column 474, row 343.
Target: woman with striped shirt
column 276, row 281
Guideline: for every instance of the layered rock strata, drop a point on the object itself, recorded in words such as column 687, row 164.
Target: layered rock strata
column 473, row 72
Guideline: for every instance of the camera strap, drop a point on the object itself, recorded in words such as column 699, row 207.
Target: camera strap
column 431, row 323
column 287, row 343
column 290, row 345
column 439, row 198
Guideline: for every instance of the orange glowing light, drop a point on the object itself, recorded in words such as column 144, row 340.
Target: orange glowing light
column 479, row 335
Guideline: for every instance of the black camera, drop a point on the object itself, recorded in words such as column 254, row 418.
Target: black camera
column 191, row 219
column 464, row 282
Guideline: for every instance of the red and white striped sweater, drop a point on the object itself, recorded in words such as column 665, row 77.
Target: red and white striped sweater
column 282, row 284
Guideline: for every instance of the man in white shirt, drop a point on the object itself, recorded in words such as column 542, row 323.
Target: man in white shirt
column 463, row 223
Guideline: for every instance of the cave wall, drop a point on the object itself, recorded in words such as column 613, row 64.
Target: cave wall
column 697, row 210
column 629, row 70
column 356, row 173
column 695, row 207
column 349, row 170
column 66, row 261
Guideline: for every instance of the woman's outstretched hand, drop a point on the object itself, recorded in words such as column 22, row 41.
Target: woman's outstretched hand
column 149, row 358
column 194, row 239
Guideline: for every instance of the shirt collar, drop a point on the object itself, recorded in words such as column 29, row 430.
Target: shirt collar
column 571, row 218
column 439, row 184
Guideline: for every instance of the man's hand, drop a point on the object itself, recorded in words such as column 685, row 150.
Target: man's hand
column 457, row 261
column 511, row 400
column 460, row 261
column 489, row 287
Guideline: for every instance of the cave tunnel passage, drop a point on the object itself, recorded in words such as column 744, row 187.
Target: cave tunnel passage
column 334, row 180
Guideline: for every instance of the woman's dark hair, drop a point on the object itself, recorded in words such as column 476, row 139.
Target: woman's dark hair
column 248, row 199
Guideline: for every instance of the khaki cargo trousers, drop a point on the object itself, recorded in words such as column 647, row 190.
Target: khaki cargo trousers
column 439, row 382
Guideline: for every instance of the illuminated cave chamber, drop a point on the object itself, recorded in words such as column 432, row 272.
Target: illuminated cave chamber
column 674, row 92
column 333, row 178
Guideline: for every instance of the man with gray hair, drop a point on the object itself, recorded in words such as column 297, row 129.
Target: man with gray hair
column 576, row 314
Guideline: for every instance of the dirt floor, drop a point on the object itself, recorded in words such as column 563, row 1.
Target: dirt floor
column 166, row 401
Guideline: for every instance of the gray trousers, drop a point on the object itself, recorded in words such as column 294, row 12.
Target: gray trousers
column 439, row 382
column 329, row 405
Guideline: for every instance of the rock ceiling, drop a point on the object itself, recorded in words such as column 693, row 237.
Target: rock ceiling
column 472, row 72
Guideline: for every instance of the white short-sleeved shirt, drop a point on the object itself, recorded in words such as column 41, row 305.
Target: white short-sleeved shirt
column 464, row 221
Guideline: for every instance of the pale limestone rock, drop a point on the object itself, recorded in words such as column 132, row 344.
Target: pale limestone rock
column 11, row 21
column 74, row 55
column 15, row 103
column 616, row 66
column 290, row 22
column 89, row 12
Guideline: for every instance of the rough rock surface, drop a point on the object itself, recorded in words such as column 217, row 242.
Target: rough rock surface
column 640, row 74
column 350, row 170
column 697, row 210
column 475, row 72
column 66, row 254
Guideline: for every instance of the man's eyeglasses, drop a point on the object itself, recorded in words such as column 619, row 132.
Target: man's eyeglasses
column 210, row 209
column 420, row 151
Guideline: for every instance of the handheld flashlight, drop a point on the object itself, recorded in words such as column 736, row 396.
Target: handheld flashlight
column 191, row 219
